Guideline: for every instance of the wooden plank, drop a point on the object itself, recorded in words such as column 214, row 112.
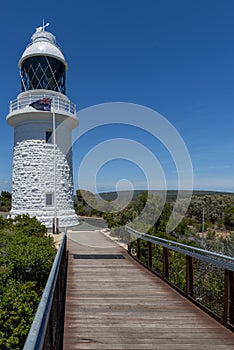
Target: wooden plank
column 118, row 304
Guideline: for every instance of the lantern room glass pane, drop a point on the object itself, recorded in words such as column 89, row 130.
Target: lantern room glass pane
column 43, row 72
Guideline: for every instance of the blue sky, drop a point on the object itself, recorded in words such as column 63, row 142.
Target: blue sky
column 175, row 57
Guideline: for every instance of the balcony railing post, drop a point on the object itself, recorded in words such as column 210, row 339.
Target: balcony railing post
column 165, row 264
column 138, row 249
column 228, row 316
column 189, row 275
column 149, row 256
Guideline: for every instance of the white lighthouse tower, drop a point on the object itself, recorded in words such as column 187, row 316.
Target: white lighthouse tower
column 43, row 118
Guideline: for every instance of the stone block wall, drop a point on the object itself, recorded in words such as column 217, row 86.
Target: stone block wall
column 33, row 178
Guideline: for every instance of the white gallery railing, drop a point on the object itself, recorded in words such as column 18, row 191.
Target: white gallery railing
column 58, row 103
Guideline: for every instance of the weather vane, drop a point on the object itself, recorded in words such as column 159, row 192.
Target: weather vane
column 42, row 28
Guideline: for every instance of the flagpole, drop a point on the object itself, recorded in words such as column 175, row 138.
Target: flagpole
column 54, row 142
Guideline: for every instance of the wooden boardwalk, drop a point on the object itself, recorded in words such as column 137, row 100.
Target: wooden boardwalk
column 114, row 303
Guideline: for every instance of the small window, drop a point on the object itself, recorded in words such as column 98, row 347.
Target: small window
column 49, row 199
column 48, row 136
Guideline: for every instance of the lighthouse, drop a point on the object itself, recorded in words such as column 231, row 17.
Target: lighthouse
column 43, row 118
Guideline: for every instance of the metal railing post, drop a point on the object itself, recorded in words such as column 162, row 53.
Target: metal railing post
column 149, row 255
column 129, row 247
column 232, row 298
column 53, row 226
column 138, row 249
column 51, row 328
column 165, row 271
column 57, row 226
column 228, row 316
column 189, row 275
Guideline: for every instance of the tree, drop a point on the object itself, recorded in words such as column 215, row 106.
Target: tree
column 5, row 201
column 160, row 225
column 229, row 218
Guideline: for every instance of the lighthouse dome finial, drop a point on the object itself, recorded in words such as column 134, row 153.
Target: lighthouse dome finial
column 43, row 43
column 42, row 28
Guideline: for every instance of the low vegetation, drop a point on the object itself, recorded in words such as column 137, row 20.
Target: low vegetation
column 26, row 256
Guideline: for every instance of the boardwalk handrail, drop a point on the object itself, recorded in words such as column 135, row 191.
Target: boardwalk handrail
column 223, row 261
column 223, row 264
column 39, row 330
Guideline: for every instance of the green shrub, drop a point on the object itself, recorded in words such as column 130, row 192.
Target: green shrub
column 26, row 256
